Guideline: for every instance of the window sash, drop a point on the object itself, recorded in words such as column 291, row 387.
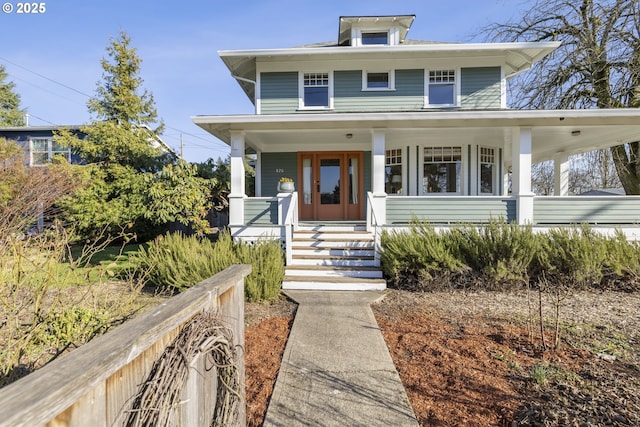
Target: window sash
column 378, row 80
column 316, row 89
column 442, row 170
column 442, row 87
column 375, row 37
column 44, row 149
column 393, row 172
column 487, row 166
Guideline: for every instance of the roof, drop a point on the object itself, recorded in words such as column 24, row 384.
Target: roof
column 38, row 128
column 514, row 57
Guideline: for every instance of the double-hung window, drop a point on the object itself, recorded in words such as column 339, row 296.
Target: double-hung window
column 441, row 89
column 393, row 171
column 316, row 90
column 44, row 149
column 442, row 168
column 487, row 166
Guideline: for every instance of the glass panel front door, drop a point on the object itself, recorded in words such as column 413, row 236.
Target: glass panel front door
column 331, row 185
column 330, row 181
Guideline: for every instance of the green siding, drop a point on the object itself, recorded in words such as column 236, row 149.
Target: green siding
column 271, row 164
column 278, row 93
column 349, row 96
column 583, row 209
column 449, row 210
column 480, row 87
column 260, row 211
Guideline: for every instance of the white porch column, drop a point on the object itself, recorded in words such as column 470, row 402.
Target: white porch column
column 237, row 195
column 378, row 173
column 521, row 175
column 561, row 174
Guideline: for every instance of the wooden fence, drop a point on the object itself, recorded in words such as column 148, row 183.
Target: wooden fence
column 93, row 385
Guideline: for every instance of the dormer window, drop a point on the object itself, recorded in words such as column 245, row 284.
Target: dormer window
column 375, row 37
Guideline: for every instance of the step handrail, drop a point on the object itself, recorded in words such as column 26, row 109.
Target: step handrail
column 290, row 225
column 373, row 225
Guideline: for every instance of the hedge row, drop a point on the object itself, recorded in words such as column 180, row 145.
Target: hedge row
column 501, row 255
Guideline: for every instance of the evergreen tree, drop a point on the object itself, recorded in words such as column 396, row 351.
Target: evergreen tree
column 10, row 112
column 130, row 183
column 125, row 127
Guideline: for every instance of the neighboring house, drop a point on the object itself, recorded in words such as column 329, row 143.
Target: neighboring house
column 40, row 148
column 38, row 144
column 378, row 129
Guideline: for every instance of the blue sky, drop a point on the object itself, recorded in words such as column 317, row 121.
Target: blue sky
column 54, row 57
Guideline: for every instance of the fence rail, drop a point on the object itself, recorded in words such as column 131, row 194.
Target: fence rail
column 92, row 385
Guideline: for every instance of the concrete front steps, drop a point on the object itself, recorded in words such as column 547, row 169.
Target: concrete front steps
column 333, row 257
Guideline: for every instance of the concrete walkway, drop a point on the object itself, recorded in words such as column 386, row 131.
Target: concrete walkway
column 336, row 368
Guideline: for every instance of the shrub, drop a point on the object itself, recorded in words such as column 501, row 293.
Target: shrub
column 575, row 255
column 503, row 253
column 179, row 262
column 419, row 255
column 507, row 255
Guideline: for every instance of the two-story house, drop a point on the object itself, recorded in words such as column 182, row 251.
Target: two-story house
column 378, row 129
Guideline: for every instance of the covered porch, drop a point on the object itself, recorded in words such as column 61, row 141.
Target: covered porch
column 445, row 167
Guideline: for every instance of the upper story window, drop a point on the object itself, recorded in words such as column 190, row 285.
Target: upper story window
column 378, row 80
column 442, row 87
column 44, row 149
column 316, row 90
column 375, row 37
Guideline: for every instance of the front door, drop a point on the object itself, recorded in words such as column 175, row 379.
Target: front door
column 331, row 185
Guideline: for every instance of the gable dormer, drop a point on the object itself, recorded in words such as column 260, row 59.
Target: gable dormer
column 374, row 30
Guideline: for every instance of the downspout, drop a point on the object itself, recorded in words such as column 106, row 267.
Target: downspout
column 255, row 88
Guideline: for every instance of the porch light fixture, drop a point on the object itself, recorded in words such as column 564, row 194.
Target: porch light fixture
column 575, row 133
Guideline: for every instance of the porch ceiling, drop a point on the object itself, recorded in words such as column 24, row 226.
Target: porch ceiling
column 553, row 131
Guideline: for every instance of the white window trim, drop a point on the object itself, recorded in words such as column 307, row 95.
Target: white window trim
column 496, row 174
column 392, row 81
column 50, row 152
column 403, row 165
column 464, row 166
column 393, row 35
column 301, row 105
column 456, row 88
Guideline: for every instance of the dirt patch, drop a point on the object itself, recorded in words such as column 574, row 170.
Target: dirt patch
column 468, row 358
column 266, row 333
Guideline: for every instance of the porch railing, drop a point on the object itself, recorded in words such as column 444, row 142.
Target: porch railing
column 289, row 213
column 449, row 209
column 374, row 221
column 596, row 210
column 94, row 385
column 261, row 211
